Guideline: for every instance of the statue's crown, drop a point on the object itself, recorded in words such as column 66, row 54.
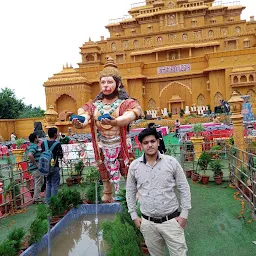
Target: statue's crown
column 110, row 69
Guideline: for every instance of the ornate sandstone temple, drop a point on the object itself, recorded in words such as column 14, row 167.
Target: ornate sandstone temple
column 171, row 53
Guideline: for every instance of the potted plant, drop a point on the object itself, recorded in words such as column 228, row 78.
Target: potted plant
column 70, row 180
column 197, row 129
column 203, row 162
column 216, row 167
column 215, row 151
column 197, row 140
column 13, row 193
column 12, row 245
column 92, row 176
column 77, row 174
column 182, row 112
column 18, row 152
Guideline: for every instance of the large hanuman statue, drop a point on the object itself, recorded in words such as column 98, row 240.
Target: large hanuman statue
column 109, row 115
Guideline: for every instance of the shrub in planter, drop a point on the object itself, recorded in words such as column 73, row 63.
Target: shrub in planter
column 203, row 162
column 216, row 167
column 69, row 198
column 16, row 236
column 56, row 206
column 91, row 193
column 115, row 234
column 197, row 129
column 78, row 168
column 7, row 248
column 215, row 151
column 37, row 230
column 42, row 211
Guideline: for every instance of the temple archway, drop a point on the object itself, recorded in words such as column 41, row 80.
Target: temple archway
column 151, row 104
column 66, row 103
column 170, row 92
column 217, row 98
column 200, row 100
column 252, row 94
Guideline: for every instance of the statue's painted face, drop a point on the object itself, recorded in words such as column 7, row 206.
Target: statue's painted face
column 108, row 85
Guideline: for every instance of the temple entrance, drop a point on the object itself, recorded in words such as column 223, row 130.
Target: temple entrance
column 66, row 103
column 175, row 96
column 175, row 104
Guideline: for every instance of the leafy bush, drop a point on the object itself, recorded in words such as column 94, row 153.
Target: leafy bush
column 91, row 193
column 56, row 206
column 115, row 234
column 197, row 128
column 69, row 198
column 42, row 211
column 7, row 248
column 16, row 237
column 216, row 167
column 92, row 174
column 204, row 160
column 37, row 230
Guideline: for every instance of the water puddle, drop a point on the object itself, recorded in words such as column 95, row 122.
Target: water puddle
column 79, row 238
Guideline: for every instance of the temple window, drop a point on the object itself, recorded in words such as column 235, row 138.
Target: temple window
column 211, row 33
column 184, row 37
column 159, row 40
column 133, row 32
column 120, row 58
column 217, row 98
column 172, row 37
column 251, row 78
column 224, row 31
column 200, row 100
column 113, row 46
column 125, row 44
column 238, row 30
column 213, row 21
column 172, row 55
column 148, row 41
column 171, row 5
column 136, row 44
column 194, row 23
column 247, row 43
column 235, row 80
column 252, row 94
column 231, row 19
column 89, row 57
column 172, row 20
column 243, row 79
column 150, row 28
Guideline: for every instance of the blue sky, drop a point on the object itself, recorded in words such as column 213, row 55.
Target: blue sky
column 39, row 36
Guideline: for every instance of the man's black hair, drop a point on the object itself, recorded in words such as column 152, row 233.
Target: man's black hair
column 52, row 131
column 32, row 137
column 151, row 125
column 148, row 132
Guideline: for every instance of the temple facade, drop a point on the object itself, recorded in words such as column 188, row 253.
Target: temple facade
column 171, row 54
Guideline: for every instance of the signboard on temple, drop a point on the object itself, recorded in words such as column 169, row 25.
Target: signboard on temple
column 173, row 69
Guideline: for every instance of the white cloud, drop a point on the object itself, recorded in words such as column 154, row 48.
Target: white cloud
column 39, row 36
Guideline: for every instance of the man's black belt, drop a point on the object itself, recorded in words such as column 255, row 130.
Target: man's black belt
column 162, row 219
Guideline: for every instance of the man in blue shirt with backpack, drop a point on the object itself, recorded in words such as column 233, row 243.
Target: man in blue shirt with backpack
column 49, row 164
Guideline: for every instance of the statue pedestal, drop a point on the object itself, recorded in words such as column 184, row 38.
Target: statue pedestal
column 197, row 142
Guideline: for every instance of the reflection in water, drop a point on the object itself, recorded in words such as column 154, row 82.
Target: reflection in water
column 79, row 238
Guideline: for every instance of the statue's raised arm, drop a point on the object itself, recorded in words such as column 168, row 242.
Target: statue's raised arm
column 110, row 113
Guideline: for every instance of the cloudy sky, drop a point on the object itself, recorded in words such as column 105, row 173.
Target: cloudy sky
column 39, row 36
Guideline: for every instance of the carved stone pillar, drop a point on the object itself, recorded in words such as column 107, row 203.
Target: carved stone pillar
column 237, row 118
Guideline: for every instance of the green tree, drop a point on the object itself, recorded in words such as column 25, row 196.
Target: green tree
column 11, row 107
column 30, row 111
